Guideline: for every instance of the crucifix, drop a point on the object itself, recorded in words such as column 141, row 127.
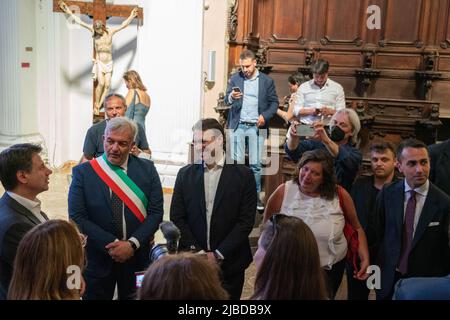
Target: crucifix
column 102, row 38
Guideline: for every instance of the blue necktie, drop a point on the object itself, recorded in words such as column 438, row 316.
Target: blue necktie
column 408, row 230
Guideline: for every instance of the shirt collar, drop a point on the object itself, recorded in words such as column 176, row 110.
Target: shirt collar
column 314, row 85
column 124, row 166
column 219, row 164
column 254, row 78
column 422, row 190
column 31, row 205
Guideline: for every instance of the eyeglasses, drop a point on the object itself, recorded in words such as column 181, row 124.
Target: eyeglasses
column 83, row 239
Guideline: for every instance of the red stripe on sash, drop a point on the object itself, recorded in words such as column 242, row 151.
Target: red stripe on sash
column 115, row 188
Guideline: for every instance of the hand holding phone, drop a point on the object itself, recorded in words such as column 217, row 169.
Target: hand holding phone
column 305, row 130
column 237, row 89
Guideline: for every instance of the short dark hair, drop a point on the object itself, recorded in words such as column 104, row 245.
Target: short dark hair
column 382, row 146
column 247, row 54
column 320, row 66
column 16, row 158
column 207, row 124
column 296, row 78
column 328, row 188
column 410, row 143
column 112, row 95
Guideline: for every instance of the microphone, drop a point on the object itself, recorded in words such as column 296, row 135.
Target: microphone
column 172, row 234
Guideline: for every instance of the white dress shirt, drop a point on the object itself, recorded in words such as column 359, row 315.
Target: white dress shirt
column 211, row 178
column 421, row 195
column 34, row 206
column 311, row 96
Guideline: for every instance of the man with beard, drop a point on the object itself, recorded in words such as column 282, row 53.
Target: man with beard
column 412, row 222
column 213, row 205
column 364, row 193
column 254, row 102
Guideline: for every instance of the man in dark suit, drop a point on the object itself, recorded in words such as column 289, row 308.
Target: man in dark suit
column 23, row 175
column 412, row 222
column 213, row 205
column 440, row 165
column 117, row 201
column 254, row 102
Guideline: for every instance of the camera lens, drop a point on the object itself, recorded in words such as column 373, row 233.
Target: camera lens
column 158, row 251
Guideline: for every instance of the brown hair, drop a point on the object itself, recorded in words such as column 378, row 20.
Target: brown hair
column 134, row 79
column 184, row 276
column 42, row 261
column 382, row 146
column 328, row 188
column 290, row 269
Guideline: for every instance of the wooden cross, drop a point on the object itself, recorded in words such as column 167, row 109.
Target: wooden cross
column 99, row 10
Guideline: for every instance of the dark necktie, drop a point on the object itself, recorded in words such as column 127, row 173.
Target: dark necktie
column 117, row 209
column 408, row 230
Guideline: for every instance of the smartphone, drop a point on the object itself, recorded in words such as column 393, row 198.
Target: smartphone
column 305, row 130
column 139, row 278
column 236, row 89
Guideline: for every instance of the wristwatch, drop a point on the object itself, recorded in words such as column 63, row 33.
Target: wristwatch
column 133, row 245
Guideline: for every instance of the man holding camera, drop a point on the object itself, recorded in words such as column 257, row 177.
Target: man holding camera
column 340, row 142
column 116, row 199
column 254, row 102
column 217, row 218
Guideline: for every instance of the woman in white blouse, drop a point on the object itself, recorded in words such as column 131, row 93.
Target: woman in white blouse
column 312, row 195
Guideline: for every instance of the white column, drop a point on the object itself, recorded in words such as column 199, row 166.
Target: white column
column 18, row 110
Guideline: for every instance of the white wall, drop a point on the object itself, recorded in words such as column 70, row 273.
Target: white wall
column 166, row 51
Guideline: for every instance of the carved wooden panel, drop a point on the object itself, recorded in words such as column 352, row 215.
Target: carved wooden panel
column 287, row 24
column 343, row 22
column 403, row 24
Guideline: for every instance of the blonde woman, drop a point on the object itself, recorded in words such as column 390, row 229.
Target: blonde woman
column 48, row 260
column 138, row 101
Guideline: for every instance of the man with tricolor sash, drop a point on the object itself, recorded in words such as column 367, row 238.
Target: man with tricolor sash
column 116, row 200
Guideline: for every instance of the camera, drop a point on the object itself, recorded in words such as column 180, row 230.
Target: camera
column 172, row 235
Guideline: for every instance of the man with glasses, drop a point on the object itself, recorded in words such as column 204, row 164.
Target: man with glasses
column 217, row 217
column 254, row 102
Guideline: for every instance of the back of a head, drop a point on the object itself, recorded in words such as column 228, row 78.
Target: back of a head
column 184, row 276
column 15, row 158
column 43, row 257
column 291, row 268
column 135, row 80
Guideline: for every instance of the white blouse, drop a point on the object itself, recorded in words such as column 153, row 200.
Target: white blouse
column 324, row 217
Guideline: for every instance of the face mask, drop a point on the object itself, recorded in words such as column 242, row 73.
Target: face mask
column 337, row 134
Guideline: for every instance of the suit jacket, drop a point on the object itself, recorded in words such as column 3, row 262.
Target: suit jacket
column 267, row 99
column 232, row 217
column 440, row 165
column 90, row 208
column 430, row 249
column 15, row 222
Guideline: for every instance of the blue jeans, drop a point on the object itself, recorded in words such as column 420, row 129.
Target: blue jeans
column 248, row 136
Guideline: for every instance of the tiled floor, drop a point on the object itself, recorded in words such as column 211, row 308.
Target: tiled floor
column 54, row 203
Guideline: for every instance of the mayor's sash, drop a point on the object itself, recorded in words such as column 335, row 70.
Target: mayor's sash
column 125, row 188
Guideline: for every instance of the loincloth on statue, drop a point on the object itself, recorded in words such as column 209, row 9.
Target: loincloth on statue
column 101, row 67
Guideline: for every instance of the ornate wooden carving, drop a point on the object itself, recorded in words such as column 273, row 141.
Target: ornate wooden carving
column 222, row 109
column 233, row 21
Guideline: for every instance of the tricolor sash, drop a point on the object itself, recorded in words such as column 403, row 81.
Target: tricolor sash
column 122, row 185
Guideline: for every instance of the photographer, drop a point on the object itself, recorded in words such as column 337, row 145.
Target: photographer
column 340, row 143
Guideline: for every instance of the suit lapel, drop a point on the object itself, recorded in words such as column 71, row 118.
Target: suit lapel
column 20, row 209
column 104, row 189
column 200, row 181
column 221, row 187
column 425, row 216
column 398, row 207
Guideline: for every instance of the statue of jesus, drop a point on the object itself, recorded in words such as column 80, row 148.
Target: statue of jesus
column 103, row 63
